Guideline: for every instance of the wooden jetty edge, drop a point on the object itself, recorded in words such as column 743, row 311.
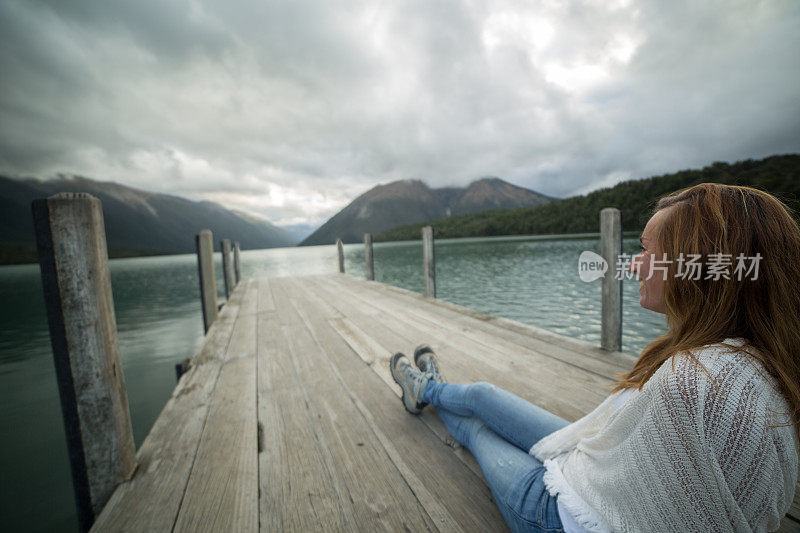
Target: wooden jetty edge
column 287, row 418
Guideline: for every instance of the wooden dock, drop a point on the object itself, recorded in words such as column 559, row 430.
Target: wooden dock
column 289, row 419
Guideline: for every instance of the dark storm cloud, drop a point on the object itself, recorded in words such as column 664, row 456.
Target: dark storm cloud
column 291, row 108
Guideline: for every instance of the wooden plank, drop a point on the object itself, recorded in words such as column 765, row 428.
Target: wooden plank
column 265, row 302
column 297, row 492
column 375, row 354
column 275, row 368
column 364, row 474
column 617, row 361
column 437, row 511
column 794, row 509
column 612, row 361
column 578, row 353
column 789, row 525
column 311, row 499
column 465, row 361
column 322, row 307
column 216, row 342
column 432, row 470
column 222, row 491
column 361, row 343
column 359, row 489
column 386, row 329
column 501, row 354
column 621, row 359
column 389, row 337
column 398, row 334
column 295, row 485
column 249, row 302
column 152, row 498
column 379, row 353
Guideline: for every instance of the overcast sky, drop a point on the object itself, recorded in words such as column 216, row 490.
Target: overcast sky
column 290, row 109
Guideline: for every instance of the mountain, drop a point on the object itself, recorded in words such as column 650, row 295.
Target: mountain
column 410, row 201
column 779, row 175
column 298, row 232
column 137, row 222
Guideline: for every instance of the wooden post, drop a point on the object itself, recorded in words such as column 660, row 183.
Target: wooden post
column 428, row 262
column 610, row 249
column 340, row 249
column 208, row 278
column 227, row 268
column 237, row 264
column 73, row 259
column 368, row 256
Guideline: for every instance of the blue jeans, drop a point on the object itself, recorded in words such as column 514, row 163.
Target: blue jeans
column 499, row 428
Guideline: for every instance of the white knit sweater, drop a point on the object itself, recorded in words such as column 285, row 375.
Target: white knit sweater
column 682, row 454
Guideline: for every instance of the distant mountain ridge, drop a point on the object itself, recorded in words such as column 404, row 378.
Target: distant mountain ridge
column 137, row 222
column 411, row 201
column 778, row 174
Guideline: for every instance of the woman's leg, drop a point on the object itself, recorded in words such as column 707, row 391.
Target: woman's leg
column 516, row 420
column 514, row 477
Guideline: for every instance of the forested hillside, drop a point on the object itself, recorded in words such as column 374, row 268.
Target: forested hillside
column 779, row 175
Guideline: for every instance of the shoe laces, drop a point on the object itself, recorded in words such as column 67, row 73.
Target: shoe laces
column 417, row 379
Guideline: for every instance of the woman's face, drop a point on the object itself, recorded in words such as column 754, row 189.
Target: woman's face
column 647, row 266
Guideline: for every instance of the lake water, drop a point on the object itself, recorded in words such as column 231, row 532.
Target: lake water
column 532, row 280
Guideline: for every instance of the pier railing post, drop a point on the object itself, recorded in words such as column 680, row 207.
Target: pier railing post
column 340, row 250
column 237, row 264
column 368, row 256
column 227, row 268
column 428, row 262
column 610, row 249
column 73, row 258
column 208, row 279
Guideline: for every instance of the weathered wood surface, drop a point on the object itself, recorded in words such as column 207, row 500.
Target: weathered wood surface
column 368, row 257
column 428, row 262
column 306, row 360
column 237, row 263
column 73, row 260
column 791, row 521
column 611, row 302
column 208, row 281
column 340, row 253
column 151, row 500
column 227, row 267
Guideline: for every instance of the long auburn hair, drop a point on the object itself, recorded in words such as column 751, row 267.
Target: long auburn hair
column 722, row 219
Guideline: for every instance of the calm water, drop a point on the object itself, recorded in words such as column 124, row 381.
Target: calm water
column 159, row 322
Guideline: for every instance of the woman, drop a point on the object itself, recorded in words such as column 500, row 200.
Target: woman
column 702, row 433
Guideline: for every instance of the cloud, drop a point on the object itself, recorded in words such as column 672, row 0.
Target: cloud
column 289, row 109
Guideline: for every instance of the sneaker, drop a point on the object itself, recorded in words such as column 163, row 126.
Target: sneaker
column 428, row 363
column 411, row 381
